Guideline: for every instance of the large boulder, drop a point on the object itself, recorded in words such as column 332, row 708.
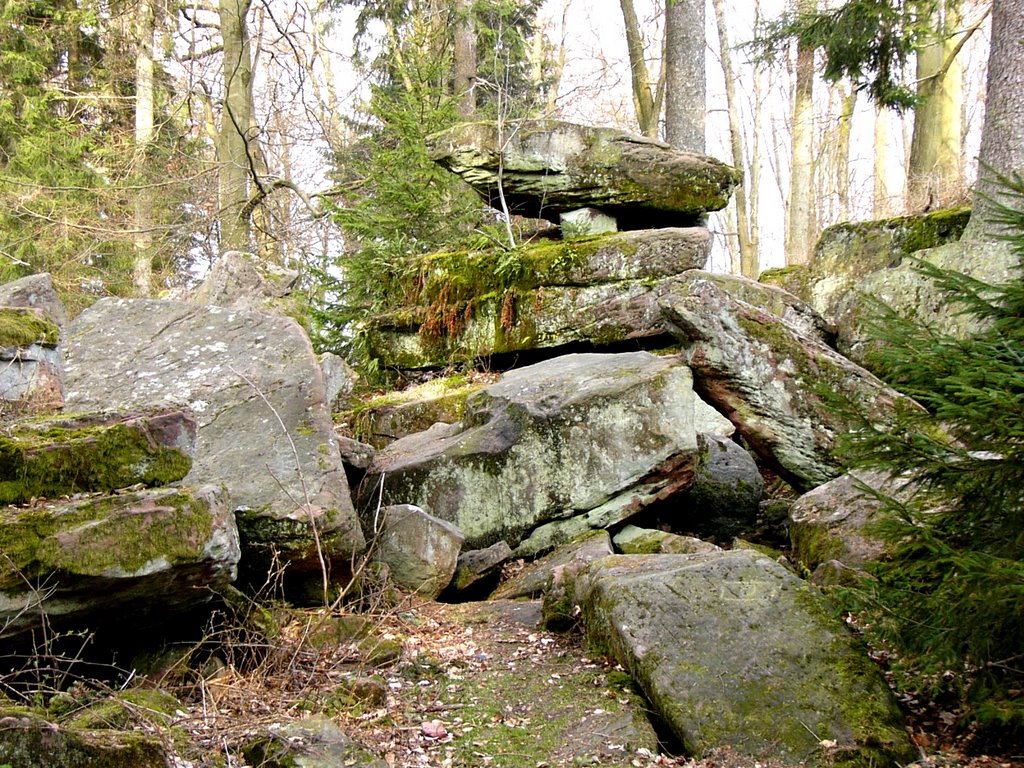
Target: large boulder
column 723, row 500
column 597, row 290
column 30, row 365
column 36, row 292
column 734, row 650
column 134, row 558
column 531, row 581
column 239, row 280
column 544, row 168
column 256, row 388
column 55, row 457
column 769, row 379
column 420, row 551
column 545, row 442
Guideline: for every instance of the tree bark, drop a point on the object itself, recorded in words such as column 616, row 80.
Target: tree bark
column 646, row 102
column 464, row 64
column 1002, row 133
column 934, row 174
column 685, row 76
column 748, row 256
column 145, row 127
column 882, row 196
column 234, row 166
column 799, row 229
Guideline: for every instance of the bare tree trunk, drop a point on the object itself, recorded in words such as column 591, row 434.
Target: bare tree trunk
column 882, row 200
column 798, row 234
column 646, row 102
column 464, row 64
column 1002, row 134
column 145, row 129
column 934, row 174
column 234, row 164
column 842, row 158
column 748, row 256
column 685, row 78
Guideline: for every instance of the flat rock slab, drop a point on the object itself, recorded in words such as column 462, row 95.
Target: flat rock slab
column 769, row 378
column 548, row 167
column 544, row 442
column 139, row 557
column 101, row 452
column 734, row 650
column 256, row 388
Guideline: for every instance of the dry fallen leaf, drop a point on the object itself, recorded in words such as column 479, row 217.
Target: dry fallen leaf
column 434, row 729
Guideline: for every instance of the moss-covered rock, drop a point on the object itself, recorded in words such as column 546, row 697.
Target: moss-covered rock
column 28, row 739
column 316, row 742
column 734, row 650
column 55, row 457
column 147, row 555
column 24, row 326
column 549, row 167
column 632, row 540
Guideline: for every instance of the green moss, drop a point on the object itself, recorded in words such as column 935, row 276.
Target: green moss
column 48, row 459
column 22, row 327
column 93, row 537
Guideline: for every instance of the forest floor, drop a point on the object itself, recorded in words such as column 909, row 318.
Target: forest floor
column 480, row 685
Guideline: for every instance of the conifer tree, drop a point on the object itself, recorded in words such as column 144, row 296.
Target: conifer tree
column 951, row 595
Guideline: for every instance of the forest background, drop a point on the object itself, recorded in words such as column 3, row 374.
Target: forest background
column 140, row 138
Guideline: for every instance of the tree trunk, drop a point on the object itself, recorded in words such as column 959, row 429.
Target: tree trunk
column 1002, row 133
column 799, row 230
column 882, row 199
column 464, row 64
column 748, row 257
column 685, row 78
column 145, row 122
column 934, row 174
column 644, row 99
column 842, row 158
column 234, row 166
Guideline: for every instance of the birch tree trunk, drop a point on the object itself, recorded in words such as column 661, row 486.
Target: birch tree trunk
column 801, row 184
column 685, row 76
column 145, row 126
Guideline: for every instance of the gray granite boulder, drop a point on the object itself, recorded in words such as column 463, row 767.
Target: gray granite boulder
column 768, row 379
column 420, row 551
column 239, row 280
column 733, row 650
column 256, row 389
column 723, row 500
column 479, row 566
column 548, row 168
column 547, row 441
column 834, row 522
column 135, row 558
column 532, row 580
column 35, row 292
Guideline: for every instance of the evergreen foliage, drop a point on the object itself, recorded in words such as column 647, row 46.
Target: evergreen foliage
column 868, row 42
column 951, row 596
column 398, row 204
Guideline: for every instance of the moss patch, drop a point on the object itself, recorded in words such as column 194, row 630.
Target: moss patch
column 22, row 327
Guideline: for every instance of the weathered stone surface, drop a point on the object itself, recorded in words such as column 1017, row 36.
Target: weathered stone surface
column 478, row 565
column 549, row 167
column 546, row 441
column 315, row 742
column 37, row 292
column 354, row 453
column 419, row 550
column 632, row 540
column 31, row 379
column 734, row 650
column 136, row 558
column 339, row 378
column 532, row 580
column 911, row 294
column 27, row 739
column 95, row 452
column 598, row 290
column 766, row 377
column 722, row 501
column 587, row 221
column 833, row 521
column 257, row 391
column 240, row 280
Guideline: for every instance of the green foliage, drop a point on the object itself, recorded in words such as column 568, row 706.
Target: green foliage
column 951, row 595
column 868, row 42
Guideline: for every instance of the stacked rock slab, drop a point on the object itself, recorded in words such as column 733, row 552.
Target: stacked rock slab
column 595, row 289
